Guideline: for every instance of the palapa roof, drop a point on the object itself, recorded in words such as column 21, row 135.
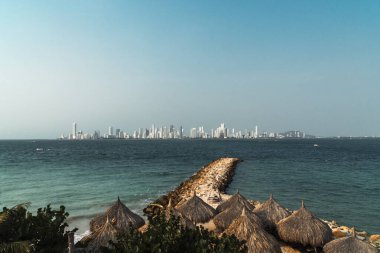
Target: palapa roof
column 100, row 238
column 170, row 210
column 271, row 212
column 349, row 245
column 120, row 217
column 303, row 227
column 196, row 210
column 236, row 200
column 224, row 219
column 257, row 239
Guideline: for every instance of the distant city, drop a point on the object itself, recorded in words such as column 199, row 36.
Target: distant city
column 172, row 132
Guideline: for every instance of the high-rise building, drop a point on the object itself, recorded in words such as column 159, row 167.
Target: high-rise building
column 96, row 135
column 74, row 130
column 256, row 135
column 110, row 131
column 193, row 133
column 221, row 131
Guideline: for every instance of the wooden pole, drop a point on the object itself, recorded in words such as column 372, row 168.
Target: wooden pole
column 70, row 247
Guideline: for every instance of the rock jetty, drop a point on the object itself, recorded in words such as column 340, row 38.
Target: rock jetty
column 209, row 183
column 344, row 231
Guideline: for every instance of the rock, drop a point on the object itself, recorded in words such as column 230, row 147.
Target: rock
column 363, row 233
column 374, row 238
column 288, row 249
column 360, row 237
column 339, row 233
column 144, row 228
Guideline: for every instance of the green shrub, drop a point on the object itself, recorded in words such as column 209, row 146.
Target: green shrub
column 21, row 231
column 169, row 236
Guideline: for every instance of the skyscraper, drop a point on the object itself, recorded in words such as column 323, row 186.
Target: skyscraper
column 256, row 135
column 74, row 130
column 110, row 131
column 193, row 133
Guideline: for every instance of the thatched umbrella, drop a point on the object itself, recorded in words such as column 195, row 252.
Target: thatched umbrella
column 100, row 238
column 224, row 219
column 236, row 200
column 257, row 239
column 120, row 217
column 349, row 245
column 271, row 212
column 303, row 227
column 170, row 210
column 196, row 210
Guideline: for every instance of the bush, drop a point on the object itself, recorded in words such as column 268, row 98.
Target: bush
column 169, row 236
column 21, row 231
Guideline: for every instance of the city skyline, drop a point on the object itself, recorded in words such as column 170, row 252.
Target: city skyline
column 277, row 64
column 173, row 132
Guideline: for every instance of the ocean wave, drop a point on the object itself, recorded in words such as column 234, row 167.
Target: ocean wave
column 78, row 237
column 82, row 217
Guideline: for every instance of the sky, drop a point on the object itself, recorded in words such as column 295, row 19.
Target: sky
column 281, row 65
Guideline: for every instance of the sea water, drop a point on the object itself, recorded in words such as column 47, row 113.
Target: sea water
column 338, row 180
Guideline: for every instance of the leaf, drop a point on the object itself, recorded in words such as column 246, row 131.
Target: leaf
column 25, row 205
column 3, row 217
column 16, row 247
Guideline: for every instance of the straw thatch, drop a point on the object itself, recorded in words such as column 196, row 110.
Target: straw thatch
column 100, row 238
column 257, row 239
column 120, row 217
column 196, row 210
column 236, row 200
column 271, row 212
column 170, row 210
column 224, row 219
column 303, row 227
column 349, row 245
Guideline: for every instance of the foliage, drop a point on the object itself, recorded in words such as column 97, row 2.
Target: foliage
column 21, row 231
column 169, row 236
column 21, row 246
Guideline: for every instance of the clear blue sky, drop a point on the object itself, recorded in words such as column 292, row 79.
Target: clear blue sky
column 309, row 65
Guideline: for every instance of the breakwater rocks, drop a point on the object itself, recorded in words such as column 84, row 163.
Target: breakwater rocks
column 209, row 183
column 344, row 231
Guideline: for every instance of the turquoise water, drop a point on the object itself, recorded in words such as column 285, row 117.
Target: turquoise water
column 339, row 180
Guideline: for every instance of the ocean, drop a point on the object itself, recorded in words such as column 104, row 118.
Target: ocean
column 339, row 180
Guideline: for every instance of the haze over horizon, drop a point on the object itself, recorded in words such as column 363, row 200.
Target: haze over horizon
column 281, row 65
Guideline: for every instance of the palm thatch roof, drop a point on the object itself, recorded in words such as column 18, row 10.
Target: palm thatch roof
column 236, row 200
column 196, row 210
column 224, row 219
column 303, row 227
column 349, row 245
column 120, row 217
column 257, row 239
column 271, row 212
column 100, row 238
column 170, row 210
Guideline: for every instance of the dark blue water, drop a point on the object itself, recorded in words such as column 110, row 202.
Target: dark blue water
column 339, row 180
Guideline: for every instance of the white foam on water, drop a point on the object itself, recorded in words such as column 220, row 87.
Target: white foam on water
column 78, row 237
column 82, row 224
